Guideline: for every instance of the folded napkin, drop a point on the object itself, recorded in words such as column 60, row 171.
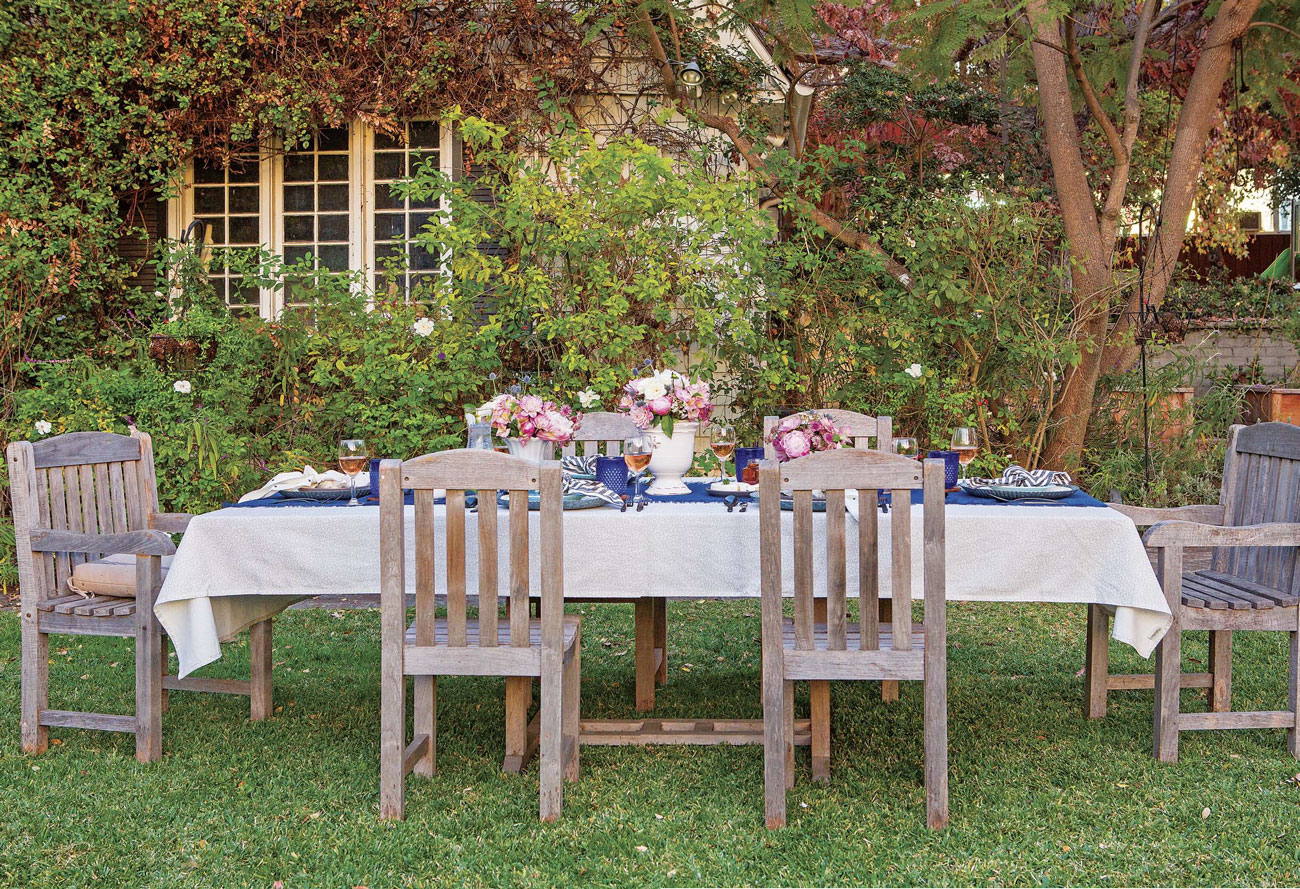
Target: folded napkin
column 299, row 481
column 1020, row 477
column 588, row 487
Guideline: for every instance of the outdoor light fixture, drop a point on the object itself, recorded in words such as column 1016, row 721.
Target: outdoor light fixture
column 691, row 74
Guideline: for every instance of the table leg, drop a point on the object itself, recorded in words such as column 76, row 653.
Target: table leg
column 888, row 687
column 661, row 641
column 644, row 630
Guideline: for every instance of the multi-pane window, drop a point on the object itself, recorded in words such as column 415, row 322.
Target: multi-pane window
column 228, row 201
column 316, row 201
column 397, row 220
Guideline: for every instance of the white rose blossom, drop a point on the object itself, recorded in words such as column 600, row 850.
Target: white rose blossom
column 588, row 399
column 914, row 371
column 44, row 427
column 182, row 386
column 422, row 327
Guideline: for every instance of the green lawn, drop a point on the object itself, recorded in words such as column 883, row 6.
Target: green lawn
column 1039, row 795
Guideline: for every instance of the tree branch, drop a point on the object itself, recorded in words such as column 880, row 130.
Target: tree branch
column 1089, row 94
column 1132, row 118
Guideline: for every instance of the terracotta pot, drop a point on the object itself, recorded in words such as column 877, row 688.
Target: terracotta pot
column 1171, row 412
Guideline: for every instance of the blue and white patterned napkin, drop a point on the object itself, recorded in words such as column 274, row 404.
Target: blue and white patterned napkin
column 589, row 487
column 1020, row 477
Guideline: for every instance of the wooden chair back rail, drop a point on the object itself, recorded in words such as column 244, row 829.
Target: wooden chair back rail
column 490, row 472
column 1261, row 484
column 861, row 427
column 601, row 428
column 834, row 473
column 83, row 482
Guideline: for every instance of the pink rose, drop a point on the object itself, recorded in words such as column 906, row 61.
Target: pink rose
column 642, row 417
column 660, row 406
column 796, row 444
column 530, row 404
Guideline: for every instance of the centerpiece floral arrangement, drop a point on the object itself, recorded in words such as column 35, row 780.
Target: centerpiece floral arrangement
column 799, row 435
column 665, row 397
column 529, row 417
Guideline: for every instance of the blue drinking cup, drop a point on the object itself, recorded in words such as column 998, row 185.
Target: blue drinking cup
column 744, row 456
column 612, row 473
column 951, row 467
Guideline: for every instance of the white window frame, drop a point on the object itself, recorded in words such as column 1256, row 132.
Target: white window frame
column 361, row 202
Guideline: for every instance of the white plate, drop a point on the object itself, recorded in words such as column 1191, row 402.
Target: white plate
column 732, row 487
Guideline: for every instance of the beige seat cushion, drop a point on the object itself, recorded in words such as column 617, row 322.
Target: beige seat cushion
column 110, row 576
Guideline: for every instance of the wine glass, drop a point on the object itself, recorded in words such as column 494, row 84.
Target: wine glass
column 480, row 437
column 636, row 454
column 723, row 445
column 906, row 447
column 352, row 459
column 965, row 442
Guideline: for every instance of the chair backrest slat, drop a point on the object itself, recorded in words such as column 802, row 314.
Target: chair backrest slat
column 834, row 473
column 1261, row 484
column 59, row 522
column 863, row 429
column 487, row 473
column 601, row 428
column 117, row 498
column 519, row 568
column 868, row 569
column 456, row 618
column 900, row 564
column 487, row 573
column 80, row 448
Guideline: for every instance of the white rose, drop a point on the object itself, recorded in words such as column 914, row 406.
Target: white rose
column 44, row 427
column 422, row 327
column 182, row 386
column 914, row 371
column 588, row 399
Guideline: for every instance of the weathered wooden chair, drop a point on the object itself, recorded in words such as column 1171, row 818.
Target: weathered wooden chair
column 868, row 433
column 806, row 649
column 650, row 614
column 92, row 551
column 548, row 648
column 1252, row 584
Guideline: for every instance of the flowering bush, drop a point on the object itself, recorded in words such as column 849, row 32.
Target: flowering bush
column 665, row 397
column 530, row 416
column 802, row 434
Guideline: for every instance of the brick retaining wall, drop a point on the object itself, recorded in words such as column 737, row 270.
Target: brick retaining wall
column 1231, row 344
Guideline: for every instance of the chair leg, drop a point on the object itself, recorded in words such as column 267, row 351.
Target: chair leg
column 661, row 640
column 644, row 632
column 36, row 683
column 162, row 654
column 1219, row 694
column 519, row 696
column 936, row 736
column 1096, row 665
column 1293, row 696
column 426, row 723
column 260, row 702
column 819, row 693
column 572, row 708
column 787, row 733
column 1168, row 686
column 775, row 764
column 551, row 743
column 148, row 662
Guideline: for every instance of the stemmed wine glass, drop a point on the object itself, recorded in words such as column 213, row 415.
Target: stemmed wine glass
column 965, row 442
column 352, row 459
column 636, row 454
column 906, row 447
column 723, row 445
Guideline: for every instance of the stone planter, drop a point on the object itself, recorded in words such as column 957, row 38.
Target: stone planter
column 533, row 450
column 672, row 458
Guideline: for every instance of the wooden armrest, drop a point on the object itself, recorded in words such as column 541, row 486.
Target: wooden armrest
column 1141, row 515
column 136, row 543
column 171, row 522
column 1194, row 534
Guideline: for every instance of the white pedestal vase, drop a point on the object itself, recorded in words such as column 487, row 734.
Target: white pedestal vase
column 672, row 458
column 534, row 450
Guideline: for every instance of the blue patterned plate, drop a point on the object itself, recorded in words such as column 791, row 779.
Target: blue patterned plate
column 571, row 501
column 325, row 494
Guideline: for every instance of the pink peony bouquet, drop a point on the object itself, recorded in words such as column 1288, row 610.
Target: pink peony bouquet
column 665, row 397
column 799, row 435
column 529, row 416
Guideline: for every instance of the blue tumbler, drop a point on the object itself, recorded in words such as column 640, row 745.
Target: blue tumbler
column 374, row 479
column 951, row 466
column 745, row 456
column 612, row 473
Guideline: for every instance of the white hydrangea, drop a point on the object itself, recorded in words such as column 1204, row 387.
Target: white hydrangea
column 182, row 386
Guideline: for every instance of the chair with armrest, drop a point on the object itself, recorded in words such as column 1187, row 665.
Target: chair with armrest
column 1251, row 584
column 92, row 551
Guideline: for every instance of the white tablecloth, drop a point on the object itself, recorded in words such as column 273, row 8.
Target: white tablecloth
column 237, row 566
